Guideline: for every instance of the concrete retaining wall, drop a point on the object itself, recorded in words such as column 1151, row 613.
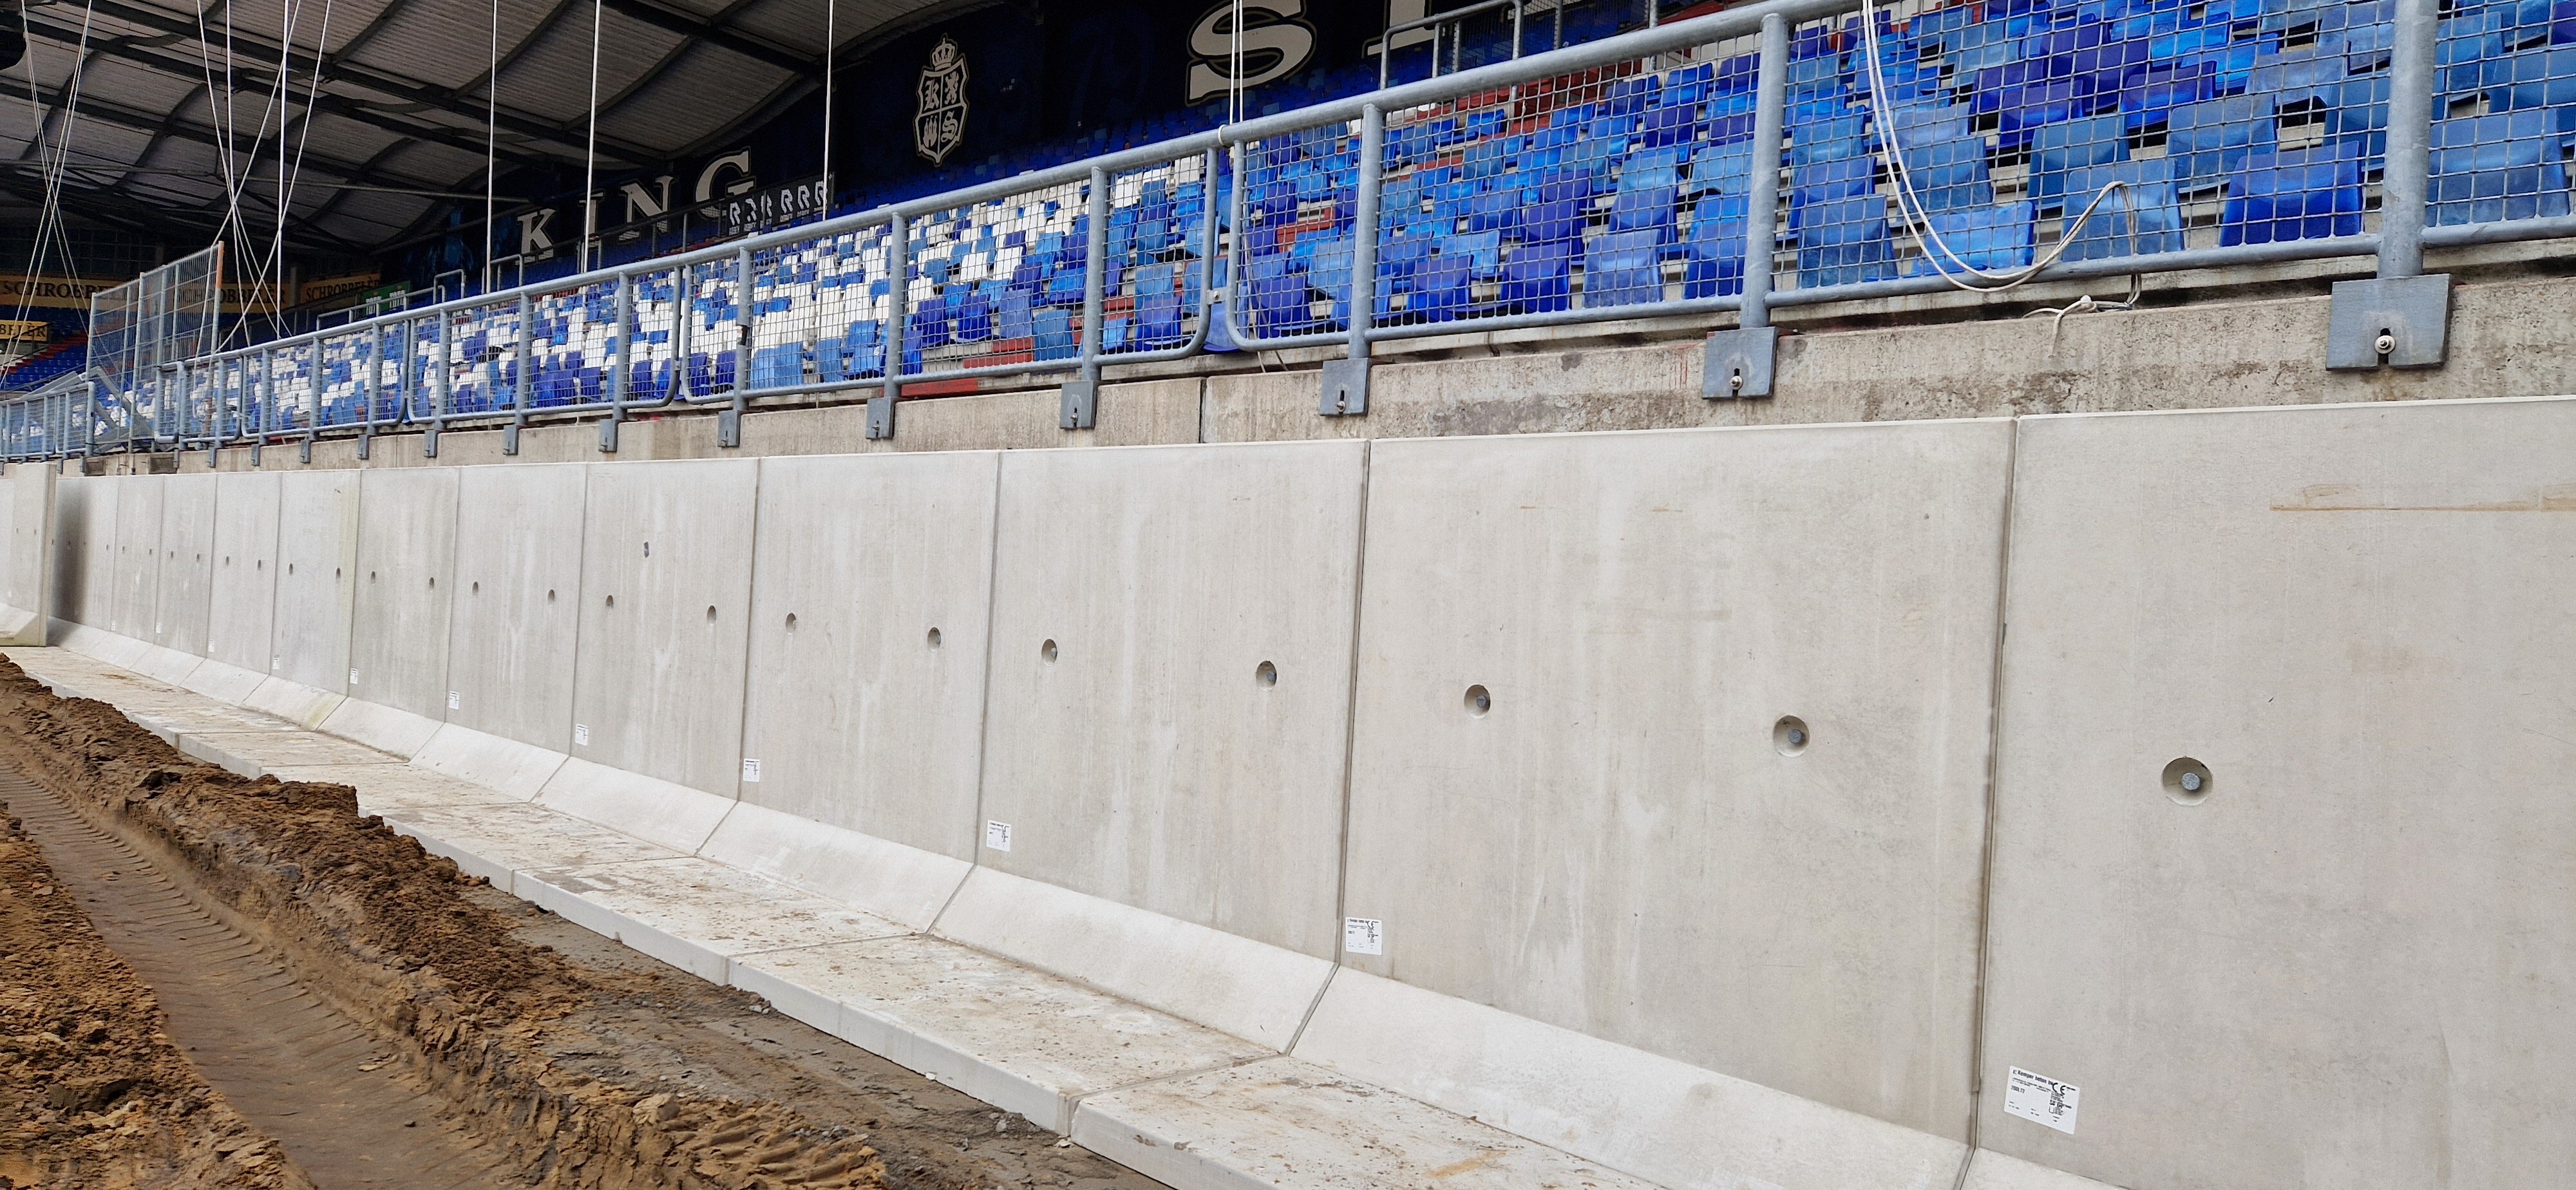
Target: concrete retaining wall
column 1676, row 781
column 27, row 499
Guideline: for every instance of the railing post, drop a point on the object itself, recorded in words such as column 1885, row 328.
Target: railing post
column 374, row 346
column 1346, row 380
column 729, row 422
column 898, row 294
column 445, row 390
column 1078, row 405
column 616, row 385
column 519, row 380
column 2401, row 318
column 267, row 403
column 1738, row 362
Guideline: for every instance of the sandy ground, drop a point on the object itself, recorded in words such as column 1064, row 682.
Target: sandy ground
column 585, row 1064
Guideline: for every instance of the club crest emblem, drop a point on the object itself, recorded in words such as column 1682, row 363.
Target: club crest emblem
column 939, row 125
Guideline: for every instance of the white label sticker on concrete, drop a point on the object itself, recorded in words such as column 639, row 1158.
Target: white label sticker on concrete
column 353, row 677
column 751, row 770
column 455, row 700
column 1363, row 935
column 277, row 663
column 997, row 835
column 2041, row 1100
column 581, row 735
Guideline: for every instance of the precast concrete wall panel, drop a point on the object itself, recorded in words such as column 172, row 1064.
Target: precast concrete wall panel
column 406, row 556
column 246, row 569
column 188, row 517
column 317, row 539
column 1575, row 795
column 2346, row 958
column 665, row 604
column 872, row 580
column 30, row 489
column 138, row 556
column 516, row 617
column 1171, row 674
column 84, row 549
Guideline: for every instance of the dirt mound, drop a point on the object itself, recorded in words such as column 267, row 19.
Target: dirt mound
column 92, row 1092
column 387, row 932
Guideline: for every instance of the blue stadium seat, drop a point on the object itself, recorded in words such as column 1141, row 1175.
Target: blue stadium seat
column 2141, row 214
column 1842, row 242
column 1440, row 289
column 1623, row 269
column 2057, row 148
column 2294, row 194
column 1715, row 263
column 2496, row 167
column 2212, row 140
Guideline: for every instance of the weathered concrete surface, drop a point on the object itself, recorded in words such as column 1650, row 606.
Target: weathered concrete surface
column 857, row 716
column 398, row 637
column 1141, row 752
column 27, row 584
column 665, row 612
column 2350, row 965
column 516, row 613
column 84, row 538
column 244, row 599
column 317, row 539
column 188, row 512
column 1615, row 842
column 137, row 598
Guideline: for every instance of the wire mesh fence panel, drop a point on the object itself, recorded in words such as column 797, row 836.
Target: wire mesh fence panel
column 337, row 363
column 997, row 283
column 1300, row 197
column 651, row 342
column 1156, row 257
column 569, row 341
column 712, row 292
column 169, row 314
column 482, row 366
column 2504, row 112
column 818, row 310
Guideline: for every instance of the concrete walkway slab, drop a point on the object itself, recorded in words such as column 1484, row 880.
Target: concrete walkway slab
column 695, row 914
column 306, row 706
column 1295, row 1126
column 502, row 841
column 674, row 816
column 384, row 789
column 255, row 753
column 1010, row 1036
column 484, row 759
column 903, row 884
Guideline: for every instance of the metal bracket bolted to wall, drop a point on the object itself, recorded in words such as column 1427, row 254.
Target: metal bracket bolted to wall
column 881, row 416
column 1078, row 405
column 1346, row 388
column 2394, row 322
column 1738, row 363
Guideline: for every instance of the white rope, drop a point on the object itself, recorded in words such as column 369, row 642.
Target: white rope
column 831, row 43
column 55, row 154
column 1234, row 71
column 1917, row 217
column 590, row 151
column 491, row 141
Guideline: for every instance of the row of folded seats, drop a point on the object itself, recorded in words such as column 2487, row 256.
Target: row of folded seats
column 2274, row 112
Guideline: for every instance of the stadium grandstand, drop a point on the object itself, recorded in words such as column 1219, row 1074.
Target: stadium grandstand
column 1808, row 594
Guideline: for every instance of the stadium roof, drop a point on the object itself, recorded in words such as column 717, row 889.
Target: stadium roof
column 161, row 91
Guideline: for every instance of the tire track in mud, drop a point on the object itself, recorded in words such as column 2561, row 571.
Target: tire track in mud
column 316, row 1081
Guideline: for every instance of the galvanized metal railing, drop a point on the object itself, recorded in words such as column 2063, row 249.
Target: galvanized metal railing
column 1637, row 176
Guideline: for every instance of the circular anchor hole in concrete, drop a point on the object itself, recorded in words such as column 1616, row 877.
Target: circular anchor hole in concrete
column 371, row 576
column 477, row 589
column 1789, row 735
column 2187, row 781
column 1479, row 700
column 791, row 621
column 711, row 613
column 550, row 594
column 608, row 601
column 934, row 638
column 1266, row 674
column 1046, row 652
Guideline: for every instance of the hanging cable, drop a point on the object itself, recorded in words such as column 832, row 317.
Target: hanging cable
column 1918, row 220
column 1234, row 70
column 831, row 43
column 56, row 157
column 491, row 140
column 590, row 150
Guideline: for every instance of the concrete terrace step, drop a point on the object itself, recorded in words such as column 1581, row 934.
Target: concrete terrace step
column 1189, row 1104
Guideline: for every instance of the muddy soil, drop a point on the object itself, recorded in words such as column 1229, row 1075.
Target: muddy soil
column 586, row 1064
column 93, row 1092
